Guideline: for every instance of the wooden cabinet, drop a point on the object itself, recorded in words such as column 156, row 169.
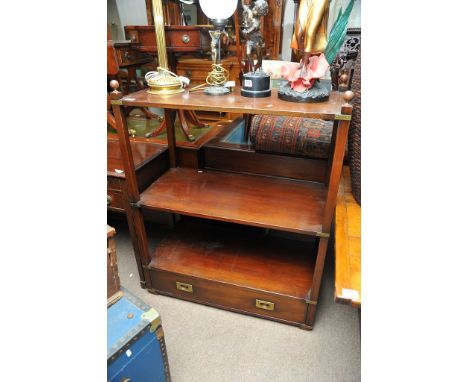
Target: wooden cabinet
column 250, row 240
column 197, row 69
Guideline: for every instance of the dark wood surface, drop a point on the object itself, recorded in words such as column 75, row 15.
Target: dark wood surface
column 142, row 152
column 197, row 69
column 244, row 257
column 230, row 267
column 145, row 36
column 288, row 205
column 253, row 162
column 235, row 103
column 272, row 29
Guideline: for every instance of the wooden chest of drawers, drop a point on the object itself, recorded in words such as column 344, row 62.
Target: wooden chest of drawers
column 196, row 69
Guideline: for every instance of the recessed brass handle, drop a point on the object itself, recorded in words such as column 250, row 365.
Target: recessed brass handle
column 267, row 305
column 184, row 287
column 185, row 38
column 109, row 199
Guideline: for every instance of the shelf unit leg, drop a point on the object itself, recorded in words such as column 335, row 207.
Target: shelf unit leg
column 335, row 165
column 317, row 280
column 132, row 195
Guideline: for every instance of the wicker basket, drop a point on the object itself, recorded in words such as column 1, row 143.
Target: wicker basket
column 354, row 138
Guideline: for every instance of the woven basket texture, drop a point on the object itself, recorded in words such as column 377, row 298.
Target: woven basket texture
column 354, row 138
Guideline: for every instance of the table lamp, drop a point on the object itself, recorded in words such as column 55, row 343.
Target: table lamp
column 163, row 81
column 219, row 11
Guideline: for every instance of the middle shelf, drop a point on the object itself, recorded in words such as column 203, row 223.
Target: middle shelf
column 276, row 203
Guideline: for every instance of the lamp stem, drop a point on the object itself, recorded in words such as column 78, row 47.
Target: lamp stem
column 160, row 33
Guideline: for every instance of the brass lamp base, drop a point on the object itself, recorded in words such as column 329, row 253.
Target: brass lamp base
column 164, row 91
column 164, row 82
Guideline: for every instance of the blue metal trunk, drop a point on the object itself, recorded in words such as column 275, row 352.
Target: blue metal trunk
column 136, row 351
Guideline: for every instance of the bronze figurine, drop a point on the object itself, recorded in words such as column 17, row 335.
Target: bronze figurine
column 253, row 10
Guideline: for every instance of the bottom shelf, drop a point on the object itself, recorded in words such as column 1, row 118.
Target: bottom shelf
column 236, row 268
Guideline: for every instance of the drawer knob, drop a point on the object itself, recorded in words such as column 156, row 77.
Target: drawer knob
column 267, row 305
column 109, row 199
column 184, row 287
column 185, row 38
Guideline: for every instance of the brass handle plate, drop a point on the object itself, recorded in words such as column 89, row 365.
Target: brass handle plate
column 267, row 305
column 188, row 73
column 184, row 287
column 185, row 38
column 109, row 199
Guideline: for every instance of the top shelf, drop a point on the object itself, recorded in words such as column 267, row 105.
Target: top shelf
column 235, row 103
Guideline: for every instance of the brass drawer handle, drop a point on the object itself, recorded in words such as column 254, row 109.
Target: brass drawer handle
column 267, row 305
column 185, row 38
column 184, row 287
column 109, row 199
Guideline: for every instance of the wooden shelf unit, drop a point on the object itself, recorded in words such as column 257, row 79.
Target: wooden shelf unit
column 264, row 276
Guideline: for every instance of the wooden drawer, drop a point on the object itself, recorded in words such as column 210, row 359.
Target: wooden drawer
column 114, row 184
column 195, row 75
column 230, row 297
column 183, row 38
column 196, row 69
column 115, row 201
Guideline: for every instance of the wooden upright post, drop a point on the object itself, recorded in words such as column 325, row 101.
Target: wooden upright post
column 132, row 195
column 335, row 167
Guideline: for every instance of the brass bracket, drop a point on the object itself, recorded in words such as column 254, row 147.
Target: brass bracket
column 135, row 204
column 343, row 117
column 305, row 327
column 116, row 102
column 153, row 318
column 322, row 234
column 310, row 302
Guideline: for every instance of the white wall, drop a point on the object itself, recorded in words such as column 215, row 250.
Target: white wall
column 288, row 29
column 125, row 12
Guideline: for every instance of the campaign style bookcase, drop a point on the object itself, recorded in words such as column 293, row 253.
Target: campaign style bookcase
column 222, row 254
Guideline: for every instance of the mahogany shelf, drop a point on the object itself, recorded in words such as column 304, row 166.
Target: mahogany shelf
column 244, row 258
column 235, row 103
column 277, row 203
